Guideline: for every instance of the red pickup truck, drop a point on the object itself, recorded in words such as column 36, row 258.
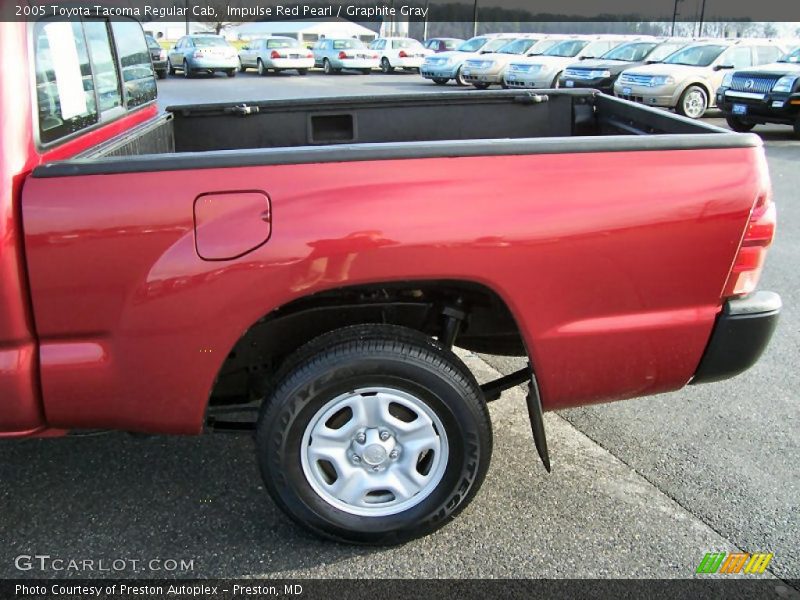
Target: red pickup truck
column 314, row 262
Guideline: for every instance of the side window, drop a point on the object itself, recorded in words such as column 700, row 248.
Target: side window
column 138, row 78
column 64, row 85
column 739, row 57
column 767, row 54
column 104, row 65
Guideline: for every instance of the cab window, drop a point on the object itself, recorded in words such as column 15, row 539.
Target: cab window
column 767, row 54
column 104, row 65
column 138, row 77
column 64, row 83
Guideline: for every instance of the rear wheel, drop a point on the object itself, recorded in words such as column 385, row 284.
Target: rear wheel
column 374, row 434
column 738, row 124
column 170, row 68
column 481, row 86
column 302, row 71
column 797, row 128
column 187, row 72
column 693, row 102
column 440, row 80
column 260, row 67
column 162, row 73
column 326, row 67
column 230, row 72
column 242, row 68
column 386, row 66
column 366, row 71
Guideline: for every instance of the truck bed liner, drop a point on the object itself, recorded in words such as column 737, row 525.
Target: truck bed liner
column 347, row 129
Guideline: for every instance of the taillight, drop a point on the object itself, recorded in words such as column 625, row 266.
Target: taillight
column 757, row 238
column 309, row 55
column 403, row 54
column 342, row 54
column 275, row 54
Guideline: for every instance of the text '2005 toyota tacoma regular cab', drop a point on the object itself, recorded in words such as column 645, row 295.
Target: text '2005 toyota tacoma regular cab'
column 315, row 262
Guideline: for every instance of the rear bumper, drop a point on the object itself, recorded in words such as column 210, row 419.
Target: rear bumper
column 741, row 333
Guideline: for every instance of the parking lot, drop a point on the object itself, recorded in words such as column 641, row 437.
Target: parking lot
column 642, row 488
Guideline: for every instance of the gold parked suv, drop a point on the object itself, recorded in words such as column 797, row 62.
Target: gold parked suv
column 688, row 79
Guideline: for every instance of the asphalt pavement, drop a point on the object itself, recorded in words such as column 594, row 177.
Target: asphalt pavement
column 642, row 488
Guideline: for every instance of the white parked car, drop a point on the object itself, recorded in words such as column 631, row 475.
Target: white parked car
column 400, row 52
column 275, row 54
column 335, row 54
column 543, row 71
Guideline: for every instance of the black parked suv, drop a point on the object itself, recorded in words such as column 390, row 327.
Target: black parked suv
column 765, row 94
column 158, row 56
column 601, row 73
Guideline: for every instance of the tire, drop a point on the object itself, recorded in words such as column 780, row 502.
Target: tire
column 796, row 128
column 364, row 367
column 260, row 66
column 242, row 68
column 440, row 80
column 556, row 83
column 460, row 78
column 326, row 67
column 481, row 86
column 738, row 124
column 162, row 73
column 302, row 71
column 693, row 102
column 366, row 71
column 187, row 72
column 170, row 68
column 386, row 66
column 230, row 72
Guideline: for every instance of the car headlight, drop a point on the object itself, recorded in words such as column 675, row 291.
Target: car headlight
column 726, row 81
column 533, row 69
column 784, row 84
column 663, row 80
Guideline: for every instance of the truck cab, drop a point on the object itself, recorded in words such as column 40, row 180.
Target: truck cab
column 71, row 86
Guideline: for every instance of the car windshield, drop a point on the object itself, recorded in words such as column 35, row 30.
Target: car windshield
column 344, row 44
column 633, row 52
column 517, row 47
column 663, row 51
column 792, row 57
column 695, row 56
column 567, row 48
column 287, row 43
column 473, row 45
column 208, row 42
column 407, row 43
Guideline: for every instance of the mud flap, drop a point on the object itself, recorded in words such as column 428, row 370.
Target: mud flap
column 536, row 416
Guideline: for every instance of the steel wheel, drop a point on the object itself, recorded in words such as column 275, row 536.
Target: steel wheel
column 364, row 460
column 326, row 67
column 693, row 102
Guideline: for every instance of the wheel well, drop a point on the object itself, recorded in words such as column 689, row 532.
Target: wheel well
column 488, row 326
column 701, row 85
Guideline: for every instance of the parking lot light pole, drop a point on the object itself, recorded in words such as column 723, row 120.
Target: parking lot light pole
column 475, row 19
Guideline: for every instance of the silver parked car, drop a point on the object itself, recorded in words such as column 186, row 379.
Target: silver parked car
column 335, row 54
column 202, row 53
column 275, row 54
column 688, row 79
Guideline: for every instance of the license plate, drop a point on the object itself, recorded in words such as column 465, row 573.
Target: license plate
column 511, row 77
column 740, row 109
column 626, row 91
column 569, row 83
column 777, row 104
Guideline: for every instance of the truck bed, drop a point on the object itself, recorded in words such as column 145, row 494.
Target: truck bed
column 445, row 124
